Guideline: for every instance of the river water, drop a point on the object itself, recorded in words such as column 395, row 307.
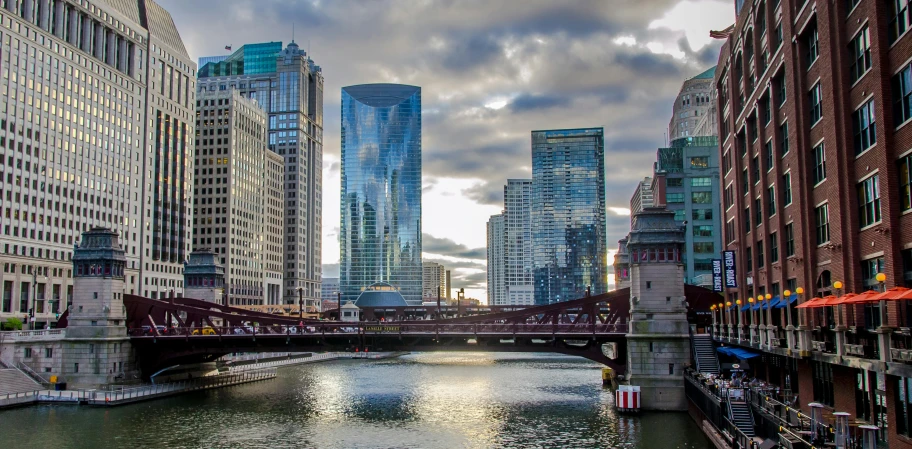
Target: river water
column 428, row 400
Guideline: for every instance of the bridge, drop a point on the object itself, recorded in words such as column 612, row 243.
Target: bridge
column 167, row 332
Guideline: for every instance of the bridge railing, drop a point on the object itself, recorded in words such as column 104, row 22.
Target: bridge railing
column 386, row 327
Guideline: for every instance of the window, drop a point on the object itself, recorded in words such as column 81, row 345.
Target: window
column 869, row 270
column 730, row 231
column 784, row 142
column 699, row 162
column 899, row 19
column 810, row 42
column 48, row 353
column 816, row 101
column 747, row 219
column 749, row 257
column 905, row 183
column 703, row 247
column 755, row 169
column 767, row 109
column 822, row 223
column 863, row 395
column 823, row 382
column 819, row 164
column 729, row 197
column 779, row 82
column 758, row 212
column 674, row 198
column 703, row 231
column 702, row 214
column 701, row 197
column 674, row 182
column 863, row 127
column 27, row 353
column 768, row 150
column 789, row 240
column 771, row 201
column 774, row 247
column 901, row 86
column 679, row 215
column 861, row 54
column 786, row 189
column 701, row 182
column 904, row 406
column 727, row 161
column 868, row 202
column 760, row 259
column 778, row 35
column 745, row 182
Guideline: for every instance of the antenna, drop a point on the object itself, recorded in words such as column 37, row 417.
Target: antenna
column 292, row 32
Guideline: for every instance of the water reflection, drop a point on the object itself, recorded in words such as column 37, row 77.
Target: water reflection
column 440, row 400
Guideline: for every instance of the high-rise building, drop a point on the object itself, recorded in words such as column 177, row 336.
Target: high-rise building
column 518, row 241
column 329, row 288
column 568, row 214
column 433, row 280
column 380, row 238
column 814, row 105
column 693, row 108
column 235, row 196
column 689, row 170
column 496, row 288
column 96, row 131
column 289, row 87
column 642, row 197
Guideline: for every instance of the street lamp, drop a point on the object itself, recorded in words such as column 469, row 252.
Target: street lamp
column 300, row 302
column 788, row 308
column 801, row 316
column 881, row 278
column 750, row 302
column 838, row 286
column 769, row 313
column 731, row 321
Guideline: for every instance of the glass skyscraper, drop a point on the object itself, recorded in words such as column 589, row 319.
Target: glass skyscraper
column 569, row 250
column 380, row 236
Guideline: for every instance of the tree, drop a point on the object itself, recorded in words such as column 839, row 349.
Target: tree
column 13, row 324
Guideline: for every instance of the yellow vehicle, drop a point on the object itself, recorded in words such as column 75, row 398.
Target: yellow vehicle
column 206, row 331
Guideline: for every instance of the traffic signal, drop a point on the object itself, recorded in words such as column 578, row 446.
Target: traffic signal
column 31, row 313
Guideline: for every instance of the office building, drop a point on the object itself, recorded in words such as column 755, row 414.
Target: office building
column 642, row 197
column 96, row 131
column 237, row 196
column 380, row 238
column 568, row 214
column 692, row 113
column 689, row 170
column 433, row 280
column 518, row 242
column 288, row 85
column 813, row 108
column 496, row 262
column 329, row 288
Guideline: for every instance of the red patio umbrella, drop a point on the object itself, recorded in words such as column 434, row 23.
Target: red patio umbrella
column 861, row 297
column 816, row 302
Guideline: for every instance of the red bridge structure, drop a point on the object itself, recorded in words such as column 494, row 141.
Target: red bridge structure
column 168, row 332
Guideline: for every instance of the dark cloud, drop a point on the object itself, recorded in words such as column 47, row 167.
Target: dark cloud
column 448, row 247
column 648, row 64
column 531, row 102
column 471, row 51
column 486, row 193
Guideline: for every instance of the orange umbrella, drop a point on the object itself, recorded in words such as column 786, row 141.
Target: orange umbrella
column 815, row 302
column 891, row 294
column 861, row 297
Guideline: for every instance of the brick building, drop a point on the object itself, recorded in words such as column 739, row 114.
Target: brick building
column 814, row 99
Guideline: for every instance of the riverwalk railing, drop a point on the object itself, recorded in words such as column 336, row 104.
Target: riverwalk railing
column 44, row 334
column 127, row 395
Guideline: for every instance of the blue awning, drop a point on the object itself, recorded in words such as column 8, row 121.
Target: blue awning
column 741, row 354
column 746, row 307
column 771, row 303
column 781, row 303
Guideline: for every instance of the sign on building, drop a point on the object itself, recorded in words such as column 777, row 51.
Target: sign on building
column 731, row 270
column 717, row 275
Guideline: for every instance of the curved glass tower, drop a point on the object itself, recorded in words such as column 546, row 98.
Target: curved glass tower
column 380, row 232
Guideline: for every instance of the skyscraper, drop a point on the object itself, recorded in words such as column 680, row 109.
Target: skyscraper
column 380, row 238
column 289, row 87
column 517, row 213
column 496, row 265
column 568, row 214
column 96, row 131
column 239, row 222
column 434, row 280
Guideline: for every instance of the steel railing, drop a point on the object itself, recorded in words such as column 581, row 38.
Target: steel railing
column 385, row 328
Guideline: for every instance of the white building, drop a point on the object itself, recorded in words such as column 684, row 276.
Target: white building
column 94, row 132
column 433, row 280
column 496, row 287
column 518, row 241
column 642, row 197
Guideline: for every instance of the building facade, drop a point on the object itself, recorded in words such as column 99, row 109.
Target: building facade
column 690, row 172
column 96, row 131
column 569, row 249
column 329, row 289
column 691, row 113
column 518, row 241
column 288, row 85
column 236, row 196
column 380, row 238
column 433, row 280
column 642, row 197
column 496, row 265
column 813, row 108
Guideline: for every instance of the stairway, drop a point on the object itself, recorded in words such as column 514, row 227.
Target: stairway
column 741, row 417
column 705, row 354
column 15, row 381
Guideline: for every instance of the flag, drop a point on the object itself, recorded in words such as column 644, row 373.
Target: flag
column 723, row 34
column 228, row 47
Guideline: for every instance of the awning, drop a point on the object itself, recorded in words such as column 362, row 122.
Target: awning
column 782, row 302
column 889, row 295
column 771, row 303
column 742, row 354
column 746, row 307
column 861, row 297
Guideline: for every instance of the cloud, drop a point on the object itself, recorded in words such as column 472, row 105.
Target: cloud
column 531, row 102
column 437, row 245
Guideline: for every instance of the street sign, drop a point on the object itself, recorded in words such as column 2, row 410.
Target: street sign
column 717, row 275
column 731, row 270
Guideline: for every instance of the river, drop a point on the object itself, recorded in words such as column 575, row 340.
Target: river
column 427, row 400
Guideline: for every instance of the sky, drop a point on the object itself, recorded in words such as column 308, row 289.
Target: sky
column 491, row 71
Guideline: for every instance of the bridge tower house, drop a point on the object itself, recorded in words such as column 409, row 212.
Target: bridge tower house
column 658, row 343
column 96, row 350
column 204, row 277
